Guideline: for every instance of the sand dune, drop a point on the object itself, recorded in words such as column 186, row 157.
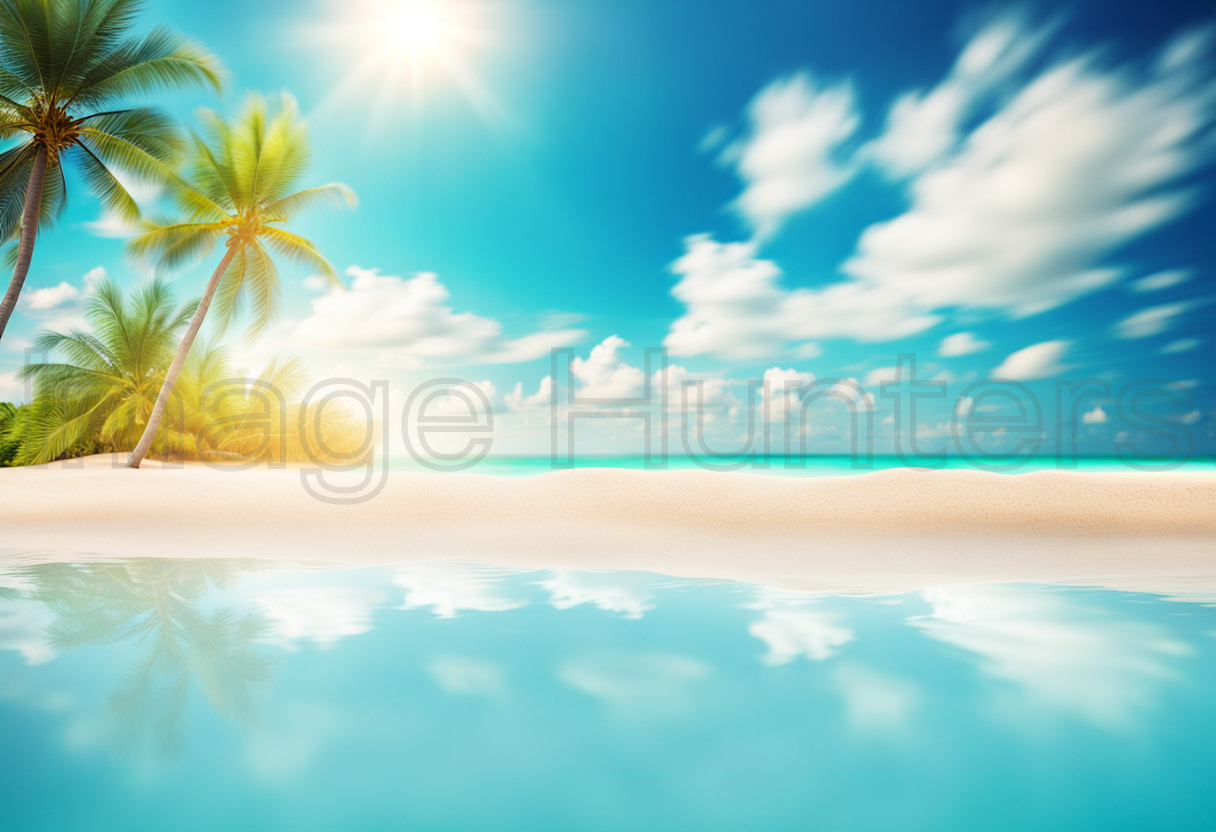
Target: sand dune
column 877, row 532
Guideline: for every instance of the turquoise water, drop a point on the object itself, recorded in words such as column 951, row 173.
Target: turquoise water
column 222, row 695
column 810, row 466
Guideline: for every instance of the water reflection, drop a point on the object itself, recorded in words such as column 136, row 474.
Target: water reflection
column 1059, row 650
column 157, row 607
column 399, row 690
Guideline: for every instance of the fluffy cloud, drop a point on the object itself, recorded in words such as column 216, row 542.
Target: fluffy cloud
column 40, row 300
column 781, row 392
column 605, row 375
column 1078, row 162
column 696, row 393
column 736, row 308
column 1017, row 216
column 12, row 389
column 790, row 159
column 543, row 397
column 613, row 593
column 1034, row 362
column 961, row 343
column 1151, row 321
column 924, row 126
column 1059, row 652
column 1097, row 416
column 412, row 319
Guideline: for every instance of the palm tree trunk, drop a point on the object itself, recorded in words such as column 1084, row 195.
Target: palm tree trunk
column 29, row 230
column 179, row 361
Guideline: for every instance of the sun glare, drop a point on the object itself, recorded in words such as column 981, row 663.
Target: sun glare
column 416, row 28
column 405, row 50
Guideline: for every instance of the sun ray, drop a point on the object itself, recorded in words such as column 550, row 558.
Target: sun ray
column 405, row 51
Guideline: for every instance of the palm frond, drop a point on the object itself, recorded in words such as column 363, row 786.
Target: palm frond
column 175, row 244
column 162, row 60
column 335, row 193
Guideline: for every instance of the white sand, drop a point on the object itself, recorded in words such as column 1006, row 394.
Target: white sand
column 879, row 532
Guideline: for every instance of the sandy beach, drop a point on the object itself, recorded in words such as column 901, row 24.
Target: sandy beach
column 880, row 532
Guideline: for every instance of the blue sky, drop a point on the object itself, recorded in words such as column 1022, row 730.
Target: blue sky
column 808, row 187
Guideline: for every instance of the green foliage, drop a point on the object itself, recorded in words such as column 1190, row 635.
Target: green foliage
column 98, row 392
column 241, row 178
column 66, row 67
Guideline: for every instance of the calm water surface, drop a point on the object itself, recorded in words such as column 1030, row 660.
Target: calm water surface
column 226, row 695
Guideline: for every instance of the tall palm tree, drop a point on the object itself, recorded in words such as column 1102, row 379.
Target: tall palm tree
column 62, row 63
column 241, row 178
column 103, row 381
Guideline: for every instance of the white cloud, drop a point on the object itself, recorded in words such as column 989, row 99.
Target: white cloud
column 1097, row 416
column 1059, row 652
column 736, row 308
column 961, row 343
column 792, row 628
column 40, row 300
column 681, row 387
column 322, row 615
column 12, row 389
column 1162, row 280
column 1081, row 160
column 466, row 676
column 1034, row 362
column 1151, row 321
column 1191, row 417
column 781, row 392
column 615, row 593
column 450, row 589
column 875, row 701
column 1181, row 345
column 604, row 374
column 1017, row 216
column 543, row 397
column 790, row 159
column 876, row 377
column 858, row 399
column 412, row 319
column 924, row 127
column 317, row 283
column 93, row 278
column 640, row 683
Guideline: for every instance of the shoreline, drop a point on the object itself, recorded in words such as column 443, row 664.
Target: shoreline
column 877, row 532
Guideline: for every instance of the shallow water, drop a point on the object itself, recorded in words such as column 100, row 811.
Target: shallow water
column 208, row 695
column 827, row 465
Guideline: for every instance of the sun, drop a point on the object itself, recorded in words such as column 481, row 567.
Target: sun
column 405, row 50
column 417, row 28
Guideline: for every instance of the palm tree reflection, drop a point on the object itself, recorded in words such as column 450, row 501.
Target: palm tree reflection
column 159, row 607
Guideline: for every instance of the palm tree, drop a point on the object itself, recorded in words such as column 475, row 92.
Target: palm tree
column 106, row 380
column 61, row 63
column 241, row 179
